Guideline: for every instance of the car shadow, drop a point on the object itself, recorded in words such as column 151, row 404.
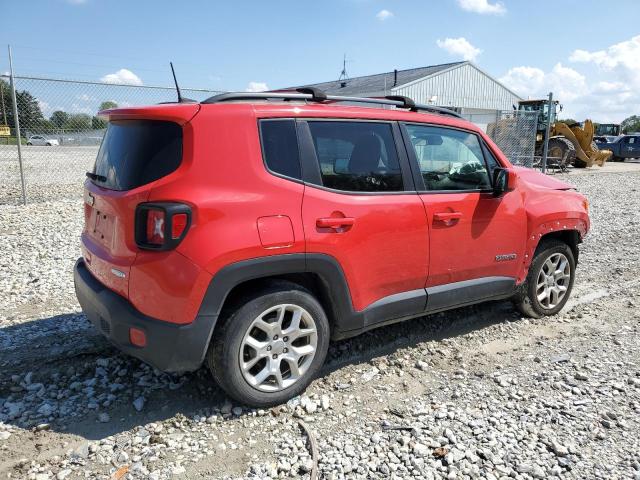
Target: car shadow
column 60, row 372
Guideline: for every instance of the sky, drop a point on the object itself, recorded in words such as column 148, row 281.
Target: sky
column 586, row 51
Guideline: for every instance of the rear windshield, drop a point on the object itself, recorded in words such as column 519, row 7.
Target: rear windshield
column 137, row 152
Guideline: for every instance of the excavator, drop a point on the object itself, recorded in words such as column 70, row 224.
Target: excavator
column 569, row 144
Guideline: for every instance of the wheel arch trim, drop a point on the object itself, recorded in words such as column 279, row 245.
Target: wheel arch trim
column 578, row 227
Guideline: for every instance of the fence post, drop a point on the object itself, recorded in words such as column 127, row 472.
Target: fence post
column 16, row 121
column 545, row 151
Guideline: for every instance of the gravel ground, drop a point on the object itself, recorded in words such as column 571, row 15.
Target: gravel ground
column 473, row 393
column 50, row 172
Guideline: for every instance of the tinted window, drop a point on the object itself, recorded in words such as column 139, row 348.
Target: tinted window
column 280, row 147
column 492, row 163
column 137, row 152
column 357, row 156
column 449, row 159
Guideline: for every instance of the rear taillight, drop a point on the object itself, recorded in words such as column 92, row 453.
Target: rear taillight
column 155, row 226
column 161, row 225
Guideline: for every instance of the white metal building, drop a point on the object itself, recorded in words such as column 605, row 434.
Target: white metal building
column 461, row 85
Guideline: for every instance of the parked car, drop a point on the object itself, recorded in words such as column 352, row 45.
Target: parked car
column 246, row 233
column 624, row 146
column 42, row 141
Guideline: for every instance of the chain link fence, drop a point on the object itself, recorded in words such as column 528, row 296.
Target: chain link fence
column 61, row 132
column 513, row 131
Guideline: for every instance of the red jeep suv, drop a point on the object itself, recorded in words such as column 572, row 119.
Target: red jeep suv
column 248, row 230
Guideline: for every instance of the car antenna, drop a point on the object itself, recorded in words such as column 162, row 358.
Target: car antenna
column 181, row 99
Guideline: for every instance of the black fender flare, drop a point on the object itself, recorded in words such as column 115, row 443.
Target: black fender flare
column 325, row 267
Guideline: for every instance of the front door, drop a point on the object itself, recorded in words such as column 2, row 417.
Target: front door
column 474, row 237
column 631, row 147
column 360, row 208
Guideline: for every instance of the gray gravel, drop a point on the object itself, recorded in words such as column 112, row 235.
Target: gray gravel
column 473, row 393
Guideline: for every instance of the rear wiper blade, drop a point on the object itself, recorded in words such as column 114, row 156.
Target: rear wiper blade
column 95, row 176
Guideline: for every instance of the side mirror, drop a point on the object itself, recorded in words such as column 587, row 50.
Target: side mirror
column 504, row 180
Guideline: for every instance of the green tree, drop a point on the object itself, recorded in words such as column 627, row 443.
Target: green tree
column 28, row 108
column 78, row 121
column 98, row 123
column 59, row 118
column 568, row 121
column 106, row 105
column 631, row 124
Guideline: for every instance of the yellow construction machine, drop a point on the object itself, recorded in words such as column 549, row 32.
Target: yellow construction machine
column 568, row 144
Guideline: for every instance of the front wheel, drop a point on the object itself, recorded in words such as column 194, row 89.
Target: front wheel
column 270, row 348
column 549, row 281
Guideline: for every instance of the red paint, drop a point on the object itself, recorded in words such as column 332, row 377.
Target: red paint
column 275, row 231
column 385, row 244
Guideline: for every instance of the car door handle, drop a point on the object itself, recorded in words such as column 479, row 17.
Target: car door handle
column 335, row 222
column 447, row 216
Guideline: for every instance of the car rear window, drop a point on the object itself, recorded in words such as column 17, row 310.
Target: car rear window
column 136, row 152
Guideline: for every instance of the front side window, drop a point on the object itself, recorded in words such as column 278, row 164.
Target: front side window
column 449, row 159
column 357, row 156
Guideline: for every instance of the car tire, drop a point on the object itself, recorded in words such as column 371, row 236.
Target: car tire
column 29, row 144
column 531, row 300
column 235, row 345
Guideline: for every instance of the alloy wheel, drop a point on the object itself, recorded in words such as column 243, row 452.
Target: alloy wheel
column 278, row 348
column 553, row 280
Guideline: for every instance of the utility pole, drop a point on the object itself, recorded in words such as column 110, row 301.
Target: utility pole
column 4, row 112
column 550, row 117
column 16, row 121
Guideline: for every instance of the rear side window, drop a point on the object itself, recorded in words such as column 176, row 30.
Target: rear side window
column 280, row 147
column 357, row 156
column 136, row 152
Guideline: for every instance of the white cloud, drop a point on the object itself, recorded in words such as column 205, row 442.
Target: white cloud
column 44, row 107
column 383, row 15
column 604, row 100
column 622, row 60
column 459, row 47
column 75, row 108
column 565, row 83
column 257, row 87
column 85, row 97
column 483, row 7
column 122, row 76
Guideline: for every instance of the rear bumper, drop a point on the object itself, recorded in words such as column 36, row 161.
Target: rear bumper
column 170, row 347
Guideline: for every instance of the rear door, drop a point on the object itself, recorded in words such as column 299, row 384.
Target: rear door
column 133, row 154
column 360, row 208
column 474, row 236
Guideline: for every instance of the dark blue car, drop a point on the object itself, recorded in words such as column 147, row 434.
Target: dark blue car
column 624, row 146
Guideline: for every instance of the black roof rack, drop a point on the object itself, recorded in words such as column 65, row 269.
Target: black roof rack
column 316, row 95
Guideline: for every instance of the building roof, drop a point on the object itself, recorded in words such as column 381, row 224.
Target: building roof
column 380, row 82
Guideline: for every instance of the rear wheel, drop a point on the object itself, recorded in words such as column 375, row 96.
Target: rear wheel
column 549, row 281
column 270, row 349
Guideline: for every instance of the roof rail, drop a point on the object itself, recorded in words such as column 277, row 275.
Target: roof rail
column 316, row 95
